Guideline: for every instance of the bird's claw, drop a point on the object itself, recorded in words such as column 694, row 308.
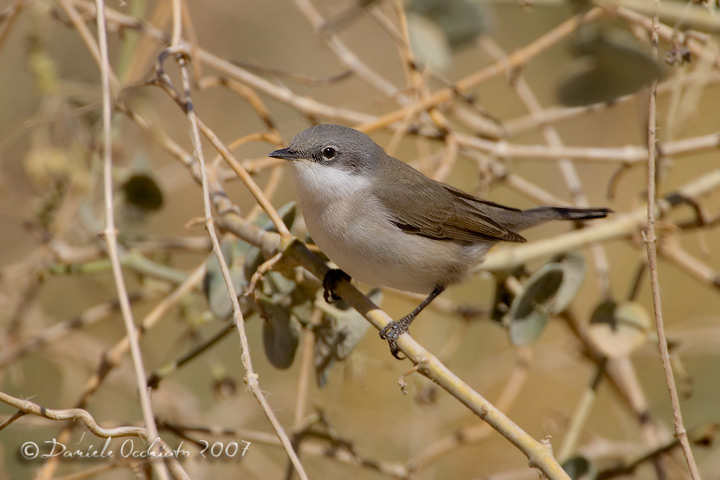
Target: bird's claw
column 391, row 332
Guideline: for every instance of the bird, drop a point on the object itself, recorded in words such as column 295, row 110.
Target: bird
column 384, row 223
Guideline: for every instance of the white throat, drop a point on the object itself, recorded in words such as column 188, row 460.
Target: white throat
column 318, row 186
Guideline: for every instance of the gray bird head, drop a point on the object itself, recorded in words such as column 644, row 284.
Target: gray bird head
column 333, row 146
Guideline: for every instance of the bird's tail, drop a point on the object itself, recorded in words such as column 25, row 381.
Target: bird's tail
column 564, row 213
column 538, row 215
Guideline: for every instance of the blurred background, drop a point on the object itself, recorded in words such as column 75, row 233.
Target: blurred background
column 564, row 121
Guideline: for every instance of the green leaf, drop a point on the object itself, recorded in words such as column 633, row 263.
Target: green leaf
column 580, row 468
column 609, row 65
column 142, row 192
column 527, row 329
column 281, row 333
column 216, row 291
column 547, row 292
column 528, row 312
column 428, row 42
column 618, row 329
column 338, row 334
column 254, row 257
column 287, row 215
column 574, row 269
column 459, row 20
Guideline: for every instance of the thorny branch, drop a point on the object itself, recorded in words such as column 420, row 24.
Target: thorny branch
column 445, row 119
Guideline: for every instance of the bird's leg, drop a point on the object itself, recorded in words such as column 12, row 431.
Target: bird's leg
column 330, row 281
column 394, row 329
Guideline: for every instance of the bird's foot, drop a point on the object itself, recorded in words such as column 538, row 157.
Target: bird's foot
column 330, row 282
column 392, row 331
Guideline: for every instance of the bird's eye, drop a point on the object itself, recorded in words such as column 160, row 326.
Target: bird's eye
column 329, row 153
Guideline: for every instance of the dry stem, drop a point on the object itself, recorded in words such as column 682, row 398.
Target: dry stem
column 650, row 242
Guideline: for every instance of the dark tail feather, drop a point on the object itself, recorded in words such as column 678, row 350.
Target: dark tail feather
column 562, row 213
column 536, row 216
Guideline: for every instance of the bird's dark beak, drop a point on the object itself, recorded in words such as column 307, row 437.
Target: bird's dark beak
column 285, row 153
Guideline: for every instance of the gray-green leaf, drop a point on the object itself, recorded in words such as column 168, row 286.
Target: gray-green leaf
column 281, row 333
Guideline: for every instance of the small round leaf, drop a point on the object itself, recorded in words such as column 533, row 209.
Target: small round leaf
column 281, row 333
column 528, row 312
column 618, row 329
column 142, row 192
column 214, row 284
column 429, row 42
column 254, row 257
column 574, row 270
column 287, row 215
column 526, row 330
column 609, row 66
column 338, row 334
column 459, row 20
column 580, row 468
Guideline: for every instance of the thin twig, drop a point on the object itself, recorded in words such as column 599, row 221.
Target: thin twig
column 251, row 377
column 9, row 17
column 345, row 54
column 439, row 142
column 517, row 59
column 619, row 226
column 85, row 319
column 582, row 413
column 622, row 376
column 27, row 407
column 477, row 432
column 671, row 250
column 567, row 168
column 306, row 368
column 557, row 115
column 87, row 37
column 539, row 454
column 650, row 242
column 110, row 235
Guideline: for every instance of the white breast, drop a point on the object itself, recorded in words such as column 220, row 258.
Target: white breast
column 354, row 230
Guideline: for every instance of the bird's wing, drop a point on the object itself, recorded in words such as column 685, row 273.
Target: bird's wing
column 435, row 210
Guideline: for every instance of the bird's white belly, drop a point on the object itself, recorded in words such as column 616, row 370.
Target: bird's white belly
column 353, row 230
column 368, row 250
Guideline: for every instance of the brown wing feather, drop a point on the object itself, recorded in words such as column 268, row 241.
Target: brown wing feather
column 452, row 216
